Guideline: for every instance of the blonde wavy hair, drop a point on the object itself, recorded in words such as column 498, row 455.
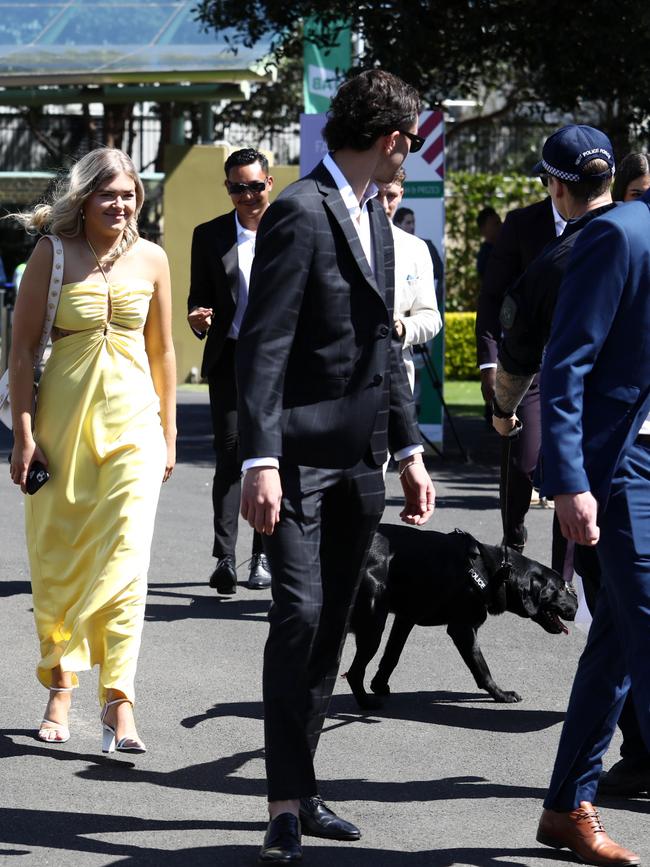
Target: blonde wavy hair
column 64, row 214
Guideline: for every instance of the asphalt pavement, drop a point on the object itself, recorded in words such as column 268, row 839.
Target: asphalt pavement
column 441, row 776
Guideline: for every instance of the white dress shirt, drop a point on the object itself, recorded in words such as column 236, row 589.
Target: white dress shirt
column 415, row 294
column 245, row 254
column 360, row 217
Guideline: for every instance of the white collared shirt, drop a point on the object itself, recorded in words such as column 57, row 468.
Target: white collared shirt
column 358, row 210
column 558, row 219
column 245, row 254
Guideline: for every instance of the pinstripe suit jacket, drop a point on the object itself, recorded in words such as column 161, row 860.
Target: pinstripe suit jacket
column 320, row 375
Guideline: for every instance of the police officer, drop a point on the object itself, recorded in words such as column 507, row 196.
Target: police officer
column 578, row 165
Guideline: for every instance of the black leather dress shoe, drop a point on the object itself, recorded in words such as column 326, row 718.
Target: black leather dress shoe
column 627, row 777
column 281, row 841
column 224, row 577
column 260, row 574
column 318, row 820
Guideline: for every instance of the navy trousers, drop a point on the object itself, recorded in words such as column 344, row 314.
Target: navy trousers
column 618, row 647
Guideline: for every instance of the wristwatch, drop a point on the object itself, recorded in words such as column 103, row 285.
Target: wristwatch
column 497, row 412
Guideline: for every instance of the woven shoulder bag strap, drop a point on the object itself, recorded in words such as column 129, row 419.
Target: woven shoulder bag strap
column 53, row 296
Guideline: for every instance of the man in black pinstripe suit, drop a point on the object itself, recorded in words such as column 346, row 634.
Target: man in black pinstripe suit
column 322, row 394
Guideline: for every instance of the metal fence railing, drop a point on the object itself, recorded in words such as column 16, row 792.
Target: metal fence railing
column 44, row 142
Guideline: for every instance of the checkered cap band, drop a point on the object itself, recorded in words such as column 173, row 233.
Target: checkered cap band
column 558, row 173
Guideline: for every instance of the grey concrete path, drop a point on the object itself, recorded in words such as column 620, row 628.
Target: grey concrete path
column 443, row 776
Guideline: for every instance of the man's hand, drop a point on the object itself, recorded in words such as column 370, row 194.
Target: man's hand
column 419, row 493
column 504, row 426
column 577, row 514
column 488, row 383
column 400, row 329
column 200, row 318
column 261, row 496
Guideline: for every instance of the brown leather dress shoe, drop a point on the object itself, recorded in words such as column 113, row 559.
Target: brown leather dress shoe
column 582, row 832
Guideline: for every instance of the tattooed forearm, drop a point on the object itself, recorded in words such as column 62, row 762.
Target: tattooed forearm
column 510, row 389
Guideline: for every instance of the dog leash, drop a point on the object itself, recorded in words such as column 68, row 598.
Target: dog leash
column 506, row 565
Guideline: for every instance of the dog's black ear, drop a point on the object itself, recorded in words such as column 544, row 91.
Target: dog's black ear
column 529, row 593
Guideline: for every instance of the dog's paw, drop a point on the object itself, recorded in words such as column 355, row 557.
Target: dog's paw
column 506, row 696
column 379, row 687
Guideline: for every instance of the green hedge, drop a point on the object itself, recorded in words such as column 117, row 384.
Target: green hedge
column 460, row 346
column 465, row 195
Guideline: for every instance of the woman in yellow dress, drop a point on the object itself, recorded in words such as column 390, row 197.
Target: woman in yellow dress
column 105, row 429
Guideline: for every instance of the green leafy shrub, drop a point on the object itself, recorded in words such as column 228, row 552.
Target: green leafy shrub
column 465, row 194
column 460, row 346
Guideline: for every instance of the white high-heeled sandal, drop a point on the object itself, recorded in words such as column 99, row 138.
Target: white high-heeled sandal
column 48, row 725
column 124, row 745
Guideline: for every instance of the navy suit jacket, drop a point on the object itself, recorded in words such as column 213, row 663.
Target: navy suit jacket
column 215, row 281
column 320, row 375
column 596, row 372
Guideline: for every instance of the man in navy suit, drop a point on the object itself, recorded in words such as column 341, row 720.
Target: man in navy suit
column 527, row 315
column 222, row 256
column 595, row 462
column 323, row 393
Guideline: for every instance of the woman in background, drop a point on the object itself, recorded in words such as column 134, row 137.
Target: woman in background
column 632, row 178
column 105, row 429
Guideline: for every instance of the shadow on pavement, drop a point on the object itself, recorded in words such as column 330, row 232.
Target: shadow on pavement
column 203, row 607
column 443, row 709
column 60, row 752
column 469, row 502
column 217, row 776
column 78, row 832
column 220, row 776
column 14, row 588
column 435, row 708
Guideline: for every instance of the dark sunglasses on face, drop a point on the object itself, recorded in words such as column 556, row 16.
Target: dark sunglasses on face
column 416, row 140
column 253, row 187
column 544, row 180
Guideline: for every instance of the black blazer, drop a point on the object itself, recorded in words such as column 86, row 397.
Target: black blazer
column 525, row 233
column 320, row 375
column 215, row 281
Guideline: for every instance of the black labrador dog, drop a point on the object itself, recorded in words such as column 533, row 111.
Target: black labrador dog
column 431, row 579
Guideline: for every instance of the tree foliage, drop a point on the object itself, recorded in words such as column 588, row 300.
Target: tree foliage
column 465, row 194
column 272, row 108
column 589, row 60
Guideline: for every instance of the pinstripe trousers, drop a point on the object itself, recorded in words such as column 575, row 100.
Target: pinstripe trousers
column 316, row 554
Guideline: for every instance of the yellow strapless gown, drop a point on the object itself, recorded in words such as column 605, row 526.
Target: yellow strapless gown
column 89, row 528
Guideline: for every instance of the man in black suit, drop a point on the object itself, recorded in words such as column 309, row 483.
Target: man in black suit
column 222, row 255
column 525, row 233
column 323, row 394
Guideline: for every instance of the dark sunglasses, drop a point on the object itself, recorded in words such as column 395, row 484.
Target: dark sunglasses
column 253, row 187
column 544, row 180
column 416, row 140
